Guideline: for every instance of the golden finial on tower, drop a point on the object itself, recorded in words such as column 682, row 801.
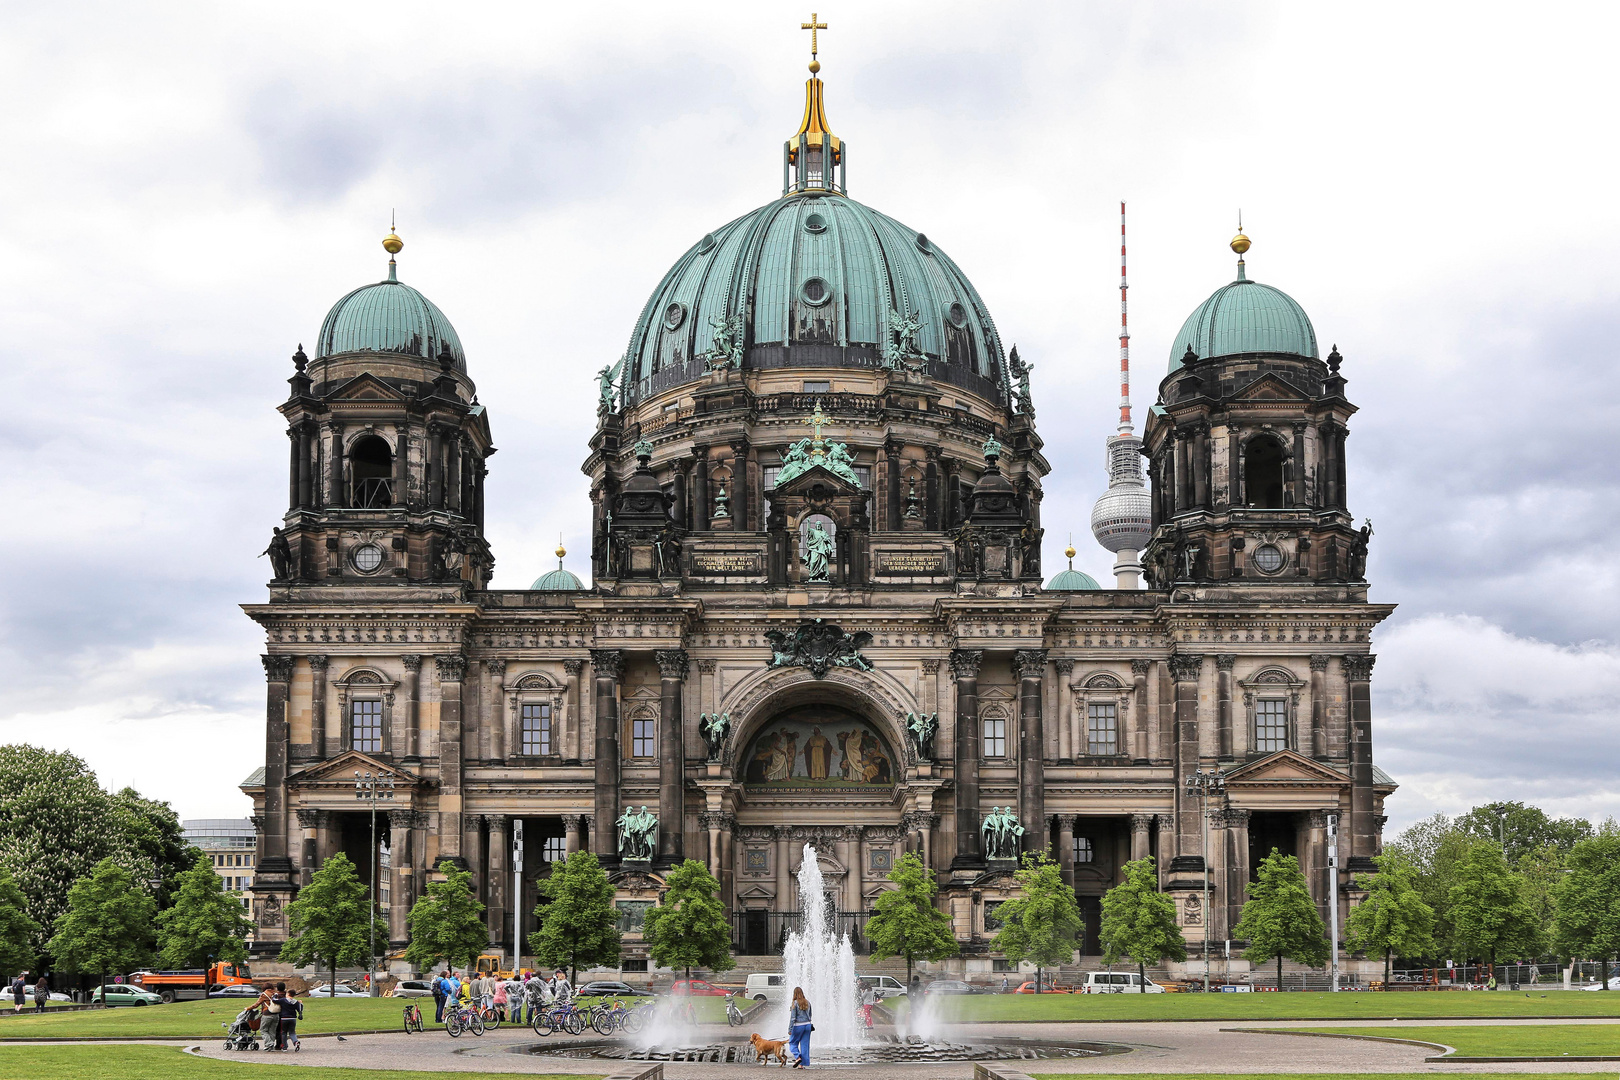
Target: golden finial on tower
column 813, row 26
column 1240, row 243
column 561, row 551
column 392, row 243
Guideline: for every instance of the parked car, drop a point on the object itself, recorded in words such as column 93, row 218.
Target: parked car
column 1614, row 984
column 1118, row 982
column 886, row 986
column 329, row 990
column 952, row 986
column 696, row 988
column 765, row 986
column 1046, row 988
column 609, row 988
column 239, row 991
column 123, row 994
column 412, row 988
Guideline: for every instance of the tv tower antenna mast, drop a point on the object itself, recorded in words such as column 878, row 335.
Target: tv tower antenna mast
column 1125, row 427
column 1122, row 519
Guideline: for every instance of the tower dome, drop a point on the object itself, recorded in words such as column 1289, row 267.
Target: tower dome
column 1245, row 316
column 389, row 317
column 558, row 580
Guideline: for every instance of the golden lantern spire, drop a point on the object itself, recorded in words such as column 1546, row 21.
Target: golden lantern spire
column 814, row 156
column 1240, row 244
column 393, row 245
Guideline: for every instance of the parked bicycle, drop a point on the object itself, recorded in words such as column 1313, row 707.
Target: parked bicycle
column 608, row 1016
column 564, row 1018
column 492, row 1017
column 461, row 1018
column 413, row 1018
column 733, row 1014
column 637, row 1018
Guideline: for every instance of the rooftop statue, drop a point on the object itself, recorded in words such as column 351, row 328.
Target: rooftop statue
column 992, row 448
column 728, row 343
column 902, row 352
column 1020, row 371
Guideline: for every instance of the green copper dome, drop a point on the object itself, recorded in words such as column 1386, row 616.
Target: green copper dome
column 388, row 317
column 1245, row 316
column 814, row 280
column 1072, row 580
column 558, row 580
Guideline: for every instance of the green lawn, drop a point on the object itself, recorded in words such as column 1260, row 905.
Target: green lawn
column 1332, row 1076
column 1296, row 1006
column 167, row 1063
column 1523, row 1040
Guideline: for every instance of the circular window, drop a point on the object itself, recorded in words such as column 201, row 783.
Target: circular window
column 958, row 315
column 1268, row 558
column 815, row 223
column 367, row 558
column 923, row 244
column 815, row 292
column 674, row 315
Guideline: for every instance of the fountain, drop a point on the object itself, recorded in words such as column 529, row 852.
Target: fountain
column 822, row 964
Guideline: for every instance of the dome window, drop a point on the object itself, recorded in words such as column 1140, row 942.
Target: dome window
column 957, row 314
column 706, row 244
column 367, row 558
column 923, row 244
column 1267, row 558
column 815, row 223
column 674, row 315
column 815, row 292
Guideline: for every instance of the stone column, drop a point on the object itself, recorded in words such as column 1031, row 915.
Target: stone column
column 1316, row 876
column 568, row 736
column 451, row 668
column 317, row 708
column 1165, row 743
column 274, row 865
column 494, row 734
column 842, row 846
column 1068, row 736
column 402, row 887
column 931, row 486
column 338, row 496
column 308, row 821
column 500, row 842
column 1166, row 824
column 741, row 504
column 1319, row 663
column 700, row 489
column 413, row 696
column 608, row 664
column 1065, row 824
column 965, row 665
column 892, row 467
column 402, row 465
column 297, row 468
column 1185, row 669
column 784, row 872
column 673, row 665
column 711, row 823
column 1237, row 864
column 1140, row 824
column 679, row 512
column 1200, row 471
column 1031, row 667
column 1223, row 703
column 1363, row 831
column 571, row 824
column 1141, row 715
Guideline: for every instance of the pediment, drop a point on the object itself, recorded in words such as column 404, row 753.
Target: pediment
column 756, row 892
column 811, row 477
column 1286, row 766
column 1269, row 387
column 342, row 768
column 365, row 387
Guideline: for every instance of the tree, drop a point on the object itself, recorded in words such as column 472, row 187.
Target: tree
column 330, row 921
column 907, row 923
column 688, row 928
column 1393, row 918
column 1588, row 919
column 205, row 924
column 1043, row 923
column 1490, row 914
column 579, row 926
column 18, row 932
column 447, row 922
column 1139, row 921
column 154, row 833
column 1280, row 918
column 1521, row 830
column 107, row 925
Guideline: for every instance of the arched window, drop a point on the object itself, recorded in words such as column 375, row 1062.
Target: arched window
column 1263, row 473
column 372, row 468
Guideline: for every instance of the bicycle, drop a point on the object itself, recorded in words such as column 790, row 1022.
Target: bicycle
column 492, row 1017
column 413, row 1018
column 607, row 1016
column 564, row 1018
column 734, row 1015
column 459, row 1018
column 637, row 1018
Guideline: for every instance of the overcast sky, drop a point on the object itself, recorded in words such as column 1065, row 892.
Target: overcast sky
column 186, row 189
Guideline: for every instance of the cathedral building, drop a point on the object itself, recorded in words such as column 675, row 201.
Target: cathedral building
column 815, row 613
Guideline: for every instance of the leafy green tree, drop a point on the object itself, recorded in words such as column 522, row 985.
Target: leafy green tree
column 330, row 922
column 56, row 826
column 1588, row 919
column 907, row 923
column 1280, row 919
column 18, row 932
column 206, row 924
column 107, row 925
column 1042, row 923
column 1139, row 921
column 1490, row 914
column 1434, row 848
column 688, row 928
column 1393, row 918
column 447, row 922
column 1521, row 830
column 154, row 834
column 579, row 926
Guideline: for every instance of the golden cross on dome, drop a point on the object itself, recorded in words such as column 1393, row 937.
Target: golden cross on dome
column 813, row 26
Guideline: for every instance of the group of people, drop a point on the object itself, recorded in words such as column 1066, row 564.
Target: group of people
column 279, row 1013
column 20, row 991
column 524, row 993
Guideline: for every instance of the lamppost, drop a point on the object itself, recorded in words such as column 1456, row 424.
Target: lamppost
column 1203, row 785
column 1333, row 896
column 372, row 788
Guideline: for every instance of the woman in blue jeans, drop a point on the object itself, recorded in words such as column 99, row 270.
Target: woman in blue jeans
column 799, row 1029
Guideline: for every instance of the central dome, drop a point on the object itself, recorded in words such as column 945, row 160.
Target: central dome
column 815, row 280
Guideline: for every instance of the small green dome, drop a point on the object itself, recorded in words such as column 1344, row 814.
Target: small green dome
column 388, row 317
column 1072, row 580
column 1245, row 316
column 558, row 580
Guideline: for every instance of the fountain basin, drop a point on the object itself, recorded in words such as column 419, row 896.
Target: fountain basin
column 878, row 1049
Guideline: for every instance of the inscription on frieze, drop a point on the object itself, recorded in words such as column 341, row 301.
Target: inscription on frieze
column 911, row 562
column 728, row 563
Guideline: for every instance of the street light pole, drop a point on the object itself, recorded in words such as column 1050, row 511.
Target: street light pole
column 1333, row 894
column 1203, row 785
column 517, row 893
column 372, row 788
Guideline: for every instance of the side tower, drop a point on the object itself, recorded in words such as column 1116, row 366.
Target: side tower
column 1122, row 517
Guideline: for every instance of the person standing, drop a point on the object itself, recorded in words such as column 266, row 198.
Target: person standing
column 799, row 1029
column 270, row 1023
column 1004, row 984
column 291, row 1008
column 869, row 1000
column 42, row 993
column 564, row 988
column 19, row 990
column 440, row 994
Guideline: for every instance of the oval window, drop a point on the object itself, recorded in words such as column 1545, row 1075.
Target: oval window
column 815, row 292
column 1268, row 558
column 367, row 558
column 923, row 244
column 674, row 315
column 815, row 223
column 958, row 316
column 706, row 244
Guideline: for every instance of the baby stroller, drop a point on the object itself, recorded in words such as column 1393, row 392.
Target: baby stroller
column 243, row 1032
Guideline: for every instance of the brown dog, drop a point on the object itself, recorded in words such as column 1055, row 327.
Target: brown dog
column 765, row 1049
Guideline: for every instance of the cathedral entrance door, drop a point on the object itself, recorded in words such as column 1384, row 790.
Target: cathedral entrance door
column 756, row 933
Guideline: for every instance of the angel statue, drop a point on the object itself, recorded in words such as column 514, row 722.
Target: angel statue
column 921, row 727
column 818, row 551
column 604, row 381
column 902, row 353
column 714, row 728
column 728, row 343
column 1020, row 371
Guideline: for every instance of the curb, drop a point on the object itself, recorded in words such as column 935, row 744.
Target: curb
column 1362, row 1038
column 1283, row 1019
column 1479, row 1060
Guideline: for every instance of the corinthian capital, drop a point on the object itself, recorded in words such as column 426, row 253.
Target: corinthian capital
column 277, row 668
column 609, row 663
column 1184, row 667
column 1359, row 668
column 965, row 663
column 451, row 668
column 672, row 663
column 1030, row 663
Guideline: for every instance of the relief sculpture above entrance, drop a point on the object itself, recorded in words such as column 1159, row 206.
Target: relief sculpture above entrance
column 818, row 746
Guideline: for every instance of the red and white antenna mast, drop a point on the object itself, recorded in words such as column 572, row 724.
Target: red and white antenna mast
column 1124, row 336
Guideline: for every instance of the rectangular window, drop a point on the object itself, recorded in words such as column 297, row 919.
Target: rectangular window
column 767, row 480
column 635, row 964
column 536, row 720
column 863, row 473
column 1082, row 849
column 641, row 738
column 1270, row 725
column 813, row 387
column 995, row 737
column 366, row 732
column 1102, row 728
column 554, row 850
column 632, row 915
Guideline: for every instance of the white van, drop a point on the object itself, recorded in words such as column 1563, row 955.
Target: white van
column 764, row 986
column 1118, row 982
column 887, row 986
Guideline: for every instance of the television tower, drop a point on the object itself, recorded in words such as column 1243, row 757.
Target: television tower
column 1122, row 519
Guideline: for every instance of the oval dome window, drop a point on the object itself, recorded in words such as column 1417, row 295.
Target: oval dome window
column 958, row 315
column 815, row 223
column 1268, row 558
column 923, row 243
column 674, row 315
column 815, row 292
column 706, row 244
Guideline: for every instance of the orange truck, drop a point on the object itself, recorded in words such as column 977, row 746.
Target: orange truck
column 172, row 985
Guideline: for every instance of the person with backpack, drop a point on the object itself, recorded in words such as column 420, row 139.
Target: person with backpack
column 441, row 994
column 42, row 993
column 19, row 990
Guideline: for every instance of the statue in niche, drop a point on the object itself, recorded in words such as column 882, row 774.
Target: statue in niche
column 714, row 728
column 1002, row 833
column 921, row 727
column 818, row 552
column 1358, row 551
